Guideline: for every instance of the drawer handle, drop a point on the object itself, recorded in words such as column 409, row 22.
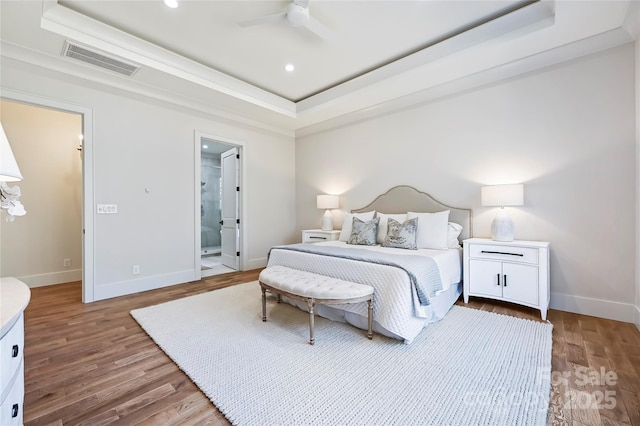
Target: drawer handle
column 14, row 410
column 14, row 351
column 317, row 238
column 498, row 276
column 505, row 280
column 501, row 252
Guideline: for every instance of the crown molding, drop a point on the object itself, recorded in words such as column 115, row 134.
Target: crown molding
column 568, row 52
column 68, row 23
column 105, row 80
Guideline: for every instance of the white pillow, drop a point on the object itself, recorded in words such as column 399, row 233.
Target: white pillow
column 382, row 225
column 453, row 233
column 345, row 233
column 432, row 229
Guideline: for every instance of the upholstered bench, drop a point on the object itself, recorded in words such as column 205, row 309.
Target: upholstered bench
column 313, row 288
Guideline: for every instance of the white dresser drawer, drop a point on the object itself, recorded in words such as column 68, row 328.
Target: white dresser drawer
column 504, row 252
column 11, row 410
column 11, row 346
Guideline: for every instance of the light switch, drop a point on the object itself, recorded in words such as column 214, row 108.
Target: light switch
column 107, row 208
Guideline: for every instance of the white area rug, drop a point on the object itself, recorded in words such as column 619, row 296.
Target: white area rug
column 471, row 368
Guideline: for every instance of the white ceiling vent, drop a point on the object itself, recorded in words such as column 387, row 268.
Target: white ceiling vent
column 99, row 59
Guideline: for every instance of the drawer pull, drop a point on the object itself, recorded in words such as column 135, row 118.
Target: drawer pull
column 317, row 238
column 14, row 351
column 501, row 252
column 14, row 410
column 505, row 280
column 498, row 276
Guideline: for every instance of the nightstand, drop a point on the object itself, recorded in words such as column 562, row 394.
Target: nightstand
column 515, row 271
column 318, row 235
column 15, row 298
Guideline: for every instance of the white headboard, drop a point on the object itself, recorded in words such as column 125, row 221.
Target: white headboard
column 404, row 198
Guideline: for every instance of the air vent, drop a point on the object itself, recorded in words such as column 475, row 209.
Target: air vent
column 93, row 57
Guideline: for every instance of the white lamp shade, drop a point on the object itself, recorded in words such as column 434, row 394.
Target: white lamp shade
column 327, row 201
column 502, row 195
column 9, row 171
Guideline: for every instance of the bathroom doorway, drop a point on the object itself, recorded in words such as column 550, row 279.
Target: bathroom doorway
column 215, row 243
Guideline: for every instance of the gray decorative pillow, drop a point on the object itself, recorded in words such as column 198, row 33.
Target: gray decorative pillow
column 401, row 235
column 364, row 233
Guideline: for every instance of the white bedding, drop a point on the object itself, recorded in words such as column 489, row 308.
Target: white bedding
column 397, row 311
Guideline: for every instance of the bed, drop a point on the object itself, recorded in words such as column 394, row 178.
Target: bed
column 401, row 308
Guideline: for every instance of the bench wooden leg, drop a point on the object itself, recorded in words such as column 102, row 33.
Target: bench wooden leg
column 370, row 310
column 264, row 304
column 312, row 338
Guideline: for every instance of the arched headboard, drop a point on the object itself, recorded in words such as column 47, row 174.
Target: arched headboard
column 404, row 198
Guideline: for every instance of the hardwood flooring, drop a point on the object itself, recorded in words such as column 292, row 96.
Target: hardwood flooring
column 91, row 364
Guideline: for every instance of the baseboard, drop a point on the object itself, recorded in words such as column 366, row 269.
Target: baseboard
column 637, row 317
column 255, row 263
column 121, row 288
column 51, row 278
column 594, row 307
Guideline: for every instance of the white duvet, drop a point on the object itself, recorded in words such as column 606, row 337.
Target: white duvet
column 397, row 311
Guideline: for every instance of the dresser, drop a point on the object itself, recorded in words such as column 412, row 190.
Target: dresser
column 515, row 271
column 14, row 298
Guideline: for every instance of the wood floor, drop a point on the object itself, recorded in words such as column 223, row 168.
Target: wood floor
column 93, row 365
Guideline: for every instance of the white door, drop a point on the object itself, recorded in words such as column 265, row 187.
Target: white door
column 230, row 241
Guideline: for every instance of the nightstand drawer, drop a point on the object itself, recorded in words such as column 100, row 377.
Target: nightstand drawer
column 319, row 236
column 316, row 237
column 504, row 252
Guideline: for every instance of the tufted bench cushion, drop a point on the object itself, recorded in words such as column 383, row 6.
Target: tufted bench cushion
column 313, row 288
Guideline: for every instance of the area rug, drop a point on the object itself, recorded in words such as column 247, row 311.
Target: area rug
column 472, row 367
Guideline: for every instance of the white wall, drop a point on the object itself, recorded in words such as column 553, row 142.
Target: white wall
column 34, row 246
column 141, row 144
column 637, row 52
column 567, row 132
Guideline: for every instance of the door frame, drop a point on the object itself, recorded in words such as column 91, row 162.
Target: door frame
column 242, row 149
column 88, row 248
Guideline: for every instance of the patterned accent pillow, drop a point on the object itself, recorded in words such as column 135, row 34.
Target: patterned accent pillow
column 364, row 233
column 401, row 235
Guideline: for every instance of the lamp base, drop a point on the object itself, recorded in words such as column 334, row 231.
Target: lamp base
column 502, row 227
column 327, row 221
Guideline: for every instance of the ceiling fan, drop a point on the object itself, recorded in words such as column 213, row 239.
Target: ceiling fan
column 297, row 15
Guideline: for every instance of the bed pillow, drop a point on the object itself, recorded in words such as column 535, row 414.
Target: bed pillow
column 432, row 229
column 401, row 235
column 453, row 232
column 382, row 226
column 345, row 233
column 363, row 233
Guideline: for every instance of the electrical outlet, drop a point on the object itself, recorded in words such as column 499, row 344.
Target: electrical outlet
column 67, row 263
column 136, row 269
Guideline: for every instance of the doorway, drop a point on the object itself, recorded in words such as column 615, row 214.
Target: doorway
column 219, row 207
column 47, row 243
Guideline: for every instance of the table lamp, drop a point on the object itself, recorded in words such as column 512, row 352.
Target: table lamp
column 502, row 195
column 327, row 202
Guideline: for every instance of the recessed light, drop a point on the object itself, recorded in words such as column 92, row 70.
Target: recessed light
column 289, row 67
column 205, row 146
column 171, row 3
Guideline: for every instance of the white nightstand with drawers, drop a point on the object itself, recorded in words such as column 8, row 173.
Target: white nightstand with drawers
column 515, row 271
column 318, row 235
column 14, row 298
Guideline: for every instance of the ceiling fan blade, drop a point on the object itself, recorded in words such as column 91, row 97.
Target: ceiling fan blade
column 319, row 29
column 264, row 20
column 303, row 3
